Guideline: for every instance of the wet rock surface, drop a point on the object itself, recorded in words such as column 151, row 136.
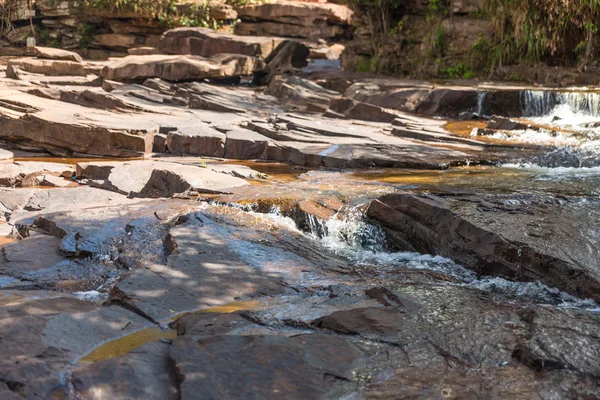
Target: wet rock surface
column 168, row 272
column 520, row 237
column 191, row 296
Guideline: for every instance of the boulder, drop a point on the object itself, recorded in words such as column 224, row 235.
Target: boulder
column 181, row 68
column 262, row 367
column 155, row 178
column 50, row 53
column 294, row 19
column 44, row 67
column 143, row 51
column 206, row 42
column 6, row 155
column 144, row 372
column 520, row 237
column 389, row 93
column 23, row 174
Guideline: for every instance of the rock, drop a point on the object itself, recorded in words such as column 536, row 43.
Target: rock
column 552, row 331
column 374, row 320
column 363, row 111
column 206, row 43
column 179, row 68
column 505, row 124
column 48, row 125
column 143, row 51
column 155, row 179
column 218, row 269
column 48, row 332
column 199, row 140
column 23, row 174
column 44, row 67
column 299, row 91
column 333, row 52
column 390, row 93
column 294, row 19
column 6, row 155
column 514, row 381
column 288, row 57
column 262, row 367
column 50, row 53
column 160, row 144
column 144, row 372
column 521, row 237
column 448, row 102
column 119, row 41
column 54, row 181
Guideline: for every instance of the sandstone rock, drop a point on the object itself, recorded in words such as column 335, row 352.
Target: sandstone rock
column 120, row 41
column 199, row 140
column 206, row 42
column 267, row 28
column 49, row 125
column 179, row 68
column 262, row 367
column 56, row 54
column 6, row 155
column 44, row 67
column 482, row 233
column 23, row 174
column 375, row 320
column 393, row 94
column 48, row 332
column 505, row 124
column 295, row 19
column 363, row 111
column 143, row 51
column 144, row 372
column 156, row 179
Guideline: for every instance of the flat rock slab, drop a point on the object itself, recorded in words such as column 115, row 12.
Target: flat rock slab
column 262, row 367
column 156, row 178
column 206, row 42
column 44, row 67
column 42, row 333
column 39, row 123
column 294, row 19
column 6, row 155
column 51, row 53
column 23, row 174
column 522, row 237
column 145, row 372
column 182, row 68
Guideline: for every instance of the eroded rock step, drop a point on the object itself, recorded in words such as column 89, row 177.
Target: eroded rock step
column 522, row 237
column 307, row 305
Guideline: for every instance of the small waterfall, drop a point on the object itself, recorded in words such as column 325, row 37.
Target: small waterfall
column 364, row 244
column 480, row 98
column 536, row 103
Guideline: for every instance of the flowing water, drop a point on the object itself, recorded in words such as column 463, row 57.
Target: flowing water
column 567, row 121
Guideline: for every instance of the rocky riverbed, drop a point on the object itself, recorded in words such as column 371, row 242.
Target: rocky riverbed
column 254, row 225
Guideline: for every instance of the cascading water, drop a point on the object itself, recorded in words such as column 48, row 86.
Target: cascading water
column 365, row 244
column 537, row 103
column 567, row 121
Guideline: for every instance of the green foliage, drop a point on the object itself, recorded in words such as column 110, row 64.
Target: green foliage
column 537, row 30
column 86, row 33
column 43, row 38
column 458, row 71
column 436, row 9
column 398, row 28
column 439, row 40
column 168, row 12
column 368, row 64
